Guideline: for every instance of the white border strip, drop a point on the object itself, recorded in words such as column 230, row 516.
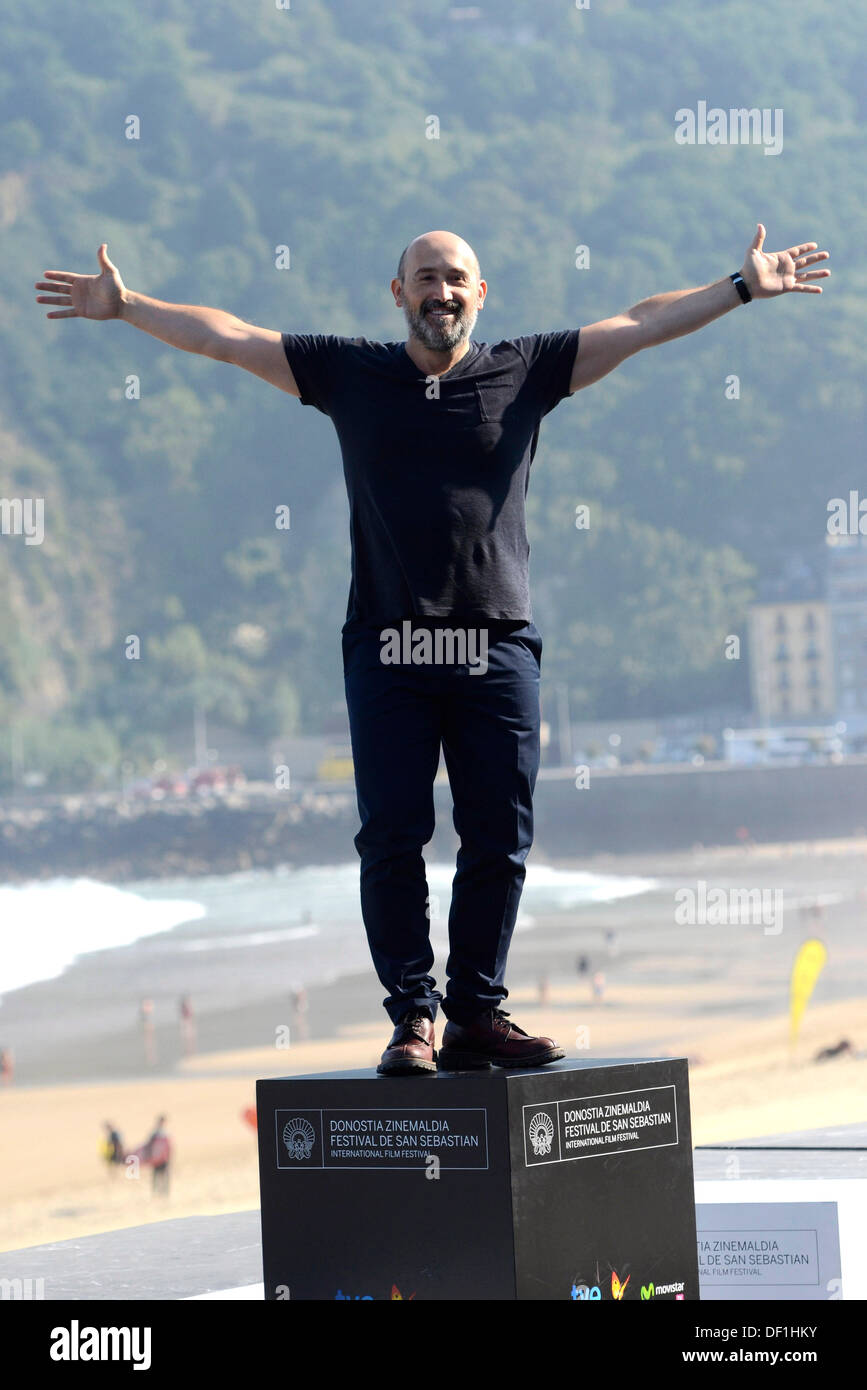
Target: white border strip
column 850, row 1194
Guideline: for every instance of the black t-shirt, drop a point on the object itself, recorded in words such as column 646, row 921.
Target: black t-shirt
column 436, row 469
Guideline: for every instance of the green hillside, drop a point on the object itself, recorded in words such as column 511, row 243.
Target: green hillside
column 305, row 127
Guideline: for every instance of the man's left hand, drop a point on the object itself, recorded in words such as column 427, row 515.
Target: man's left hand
column 769, row 273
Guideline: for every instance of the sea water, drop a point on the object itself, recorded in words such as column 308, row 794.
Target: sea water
column 46, row 926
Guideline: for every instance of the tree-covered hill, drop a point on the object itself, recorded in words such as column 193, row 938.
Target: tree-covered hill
column 306, row 127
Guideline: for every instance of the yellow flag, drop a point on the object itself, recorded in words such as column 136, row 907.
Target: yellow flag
column 808, row 966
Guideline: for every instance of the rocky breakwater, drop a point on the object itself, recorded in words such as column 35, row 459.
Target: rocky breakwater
column 118, row 839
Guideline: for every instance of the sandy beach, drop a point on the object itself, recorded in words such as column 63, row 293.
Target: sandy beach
column 716, row 994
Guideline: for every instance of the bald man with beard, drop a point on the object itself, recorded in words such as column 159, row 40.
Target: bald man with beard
column 440, row 651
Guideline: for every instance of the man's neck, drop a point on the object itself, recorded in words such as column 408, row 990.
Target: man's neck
column 434, row 363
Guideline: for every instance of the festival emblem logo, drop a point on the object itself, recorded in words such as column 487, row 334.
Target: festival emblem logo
column 618, row 1289
column 299, row 1137
column 541, row 1134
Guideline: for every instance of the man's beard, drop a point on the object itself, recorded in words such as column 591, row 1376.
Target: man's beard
column 440, row 335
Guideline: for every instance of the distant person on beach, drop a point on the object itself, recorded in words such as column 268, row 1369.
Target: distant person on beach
column 112, row 1147
column 300, row 1027
column 7, row 1066
column 157, row 1151
column 440, row 651
column 188, row 1024
column 146, row 1017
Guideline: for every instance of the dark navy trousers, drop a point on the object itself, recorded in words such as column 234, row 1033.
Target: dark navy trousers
column 488, row 727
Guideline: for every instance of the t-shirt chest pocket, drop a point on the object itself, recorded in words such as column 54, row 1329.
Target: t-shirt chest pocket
column 493, row 397
column 469, row 404
column 455, row 405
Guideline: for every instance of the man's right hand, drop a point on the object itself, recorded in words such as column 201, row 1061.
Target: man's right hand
column 84, row 296
column 190, row 327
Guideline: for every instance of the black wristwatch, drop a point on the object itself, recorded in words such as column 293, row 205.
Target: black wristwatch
column 740, row 285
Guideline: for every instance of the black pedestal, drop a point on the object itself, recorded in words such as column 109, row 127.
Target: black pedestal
column 567, row 1181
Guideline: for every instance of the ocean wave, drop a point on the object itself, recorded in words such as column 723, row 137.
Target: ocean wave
column 44, row 927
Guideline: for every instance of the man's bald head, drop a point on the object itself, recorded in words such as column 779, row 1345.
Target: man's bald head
column 447, row 244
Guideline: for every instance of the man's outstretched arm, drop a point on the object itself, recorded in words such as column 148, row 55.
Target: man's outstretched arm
column 193, row 328
column 604, row 345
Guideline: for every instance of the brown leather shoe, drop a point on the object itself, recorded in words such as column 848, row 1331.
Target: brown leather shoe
column 411, row 1047
column 492, row 1040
